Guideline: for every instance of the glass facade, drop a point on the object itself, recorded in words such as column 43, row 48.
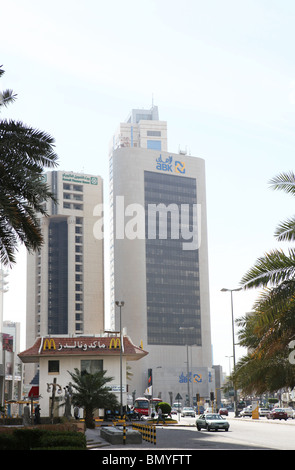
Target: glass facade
column 172, row 274
column 58, row 276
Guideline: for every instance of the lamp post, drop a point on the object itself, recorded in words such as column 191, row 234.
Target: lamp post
column 183, row 328
column 52, row 387
column 233, row 333
column 120, row 304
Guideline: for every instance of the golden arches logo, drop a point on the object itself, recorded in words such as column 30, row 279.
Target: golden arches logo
column 49, row 343
column 115, row 343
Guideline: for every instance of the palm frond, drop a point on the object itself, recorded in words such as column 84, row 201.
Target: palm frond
column 273, row 268
column 284, row 182
column 286, row 230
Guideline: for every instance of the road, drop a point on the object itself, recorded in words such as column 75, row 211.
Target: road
column 244, row 434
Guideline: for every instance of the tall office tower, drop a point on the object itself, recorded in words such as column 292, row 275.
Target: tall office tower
column 159, row 260
column 65, row 279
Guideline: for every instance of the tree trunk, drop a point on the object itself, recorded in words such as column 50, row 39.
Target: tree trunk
column 89, row 421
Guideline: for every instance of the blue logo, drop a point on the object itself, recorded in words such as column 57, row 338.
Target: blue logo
column 180, row 167
column 167, row 165
column 196, row 378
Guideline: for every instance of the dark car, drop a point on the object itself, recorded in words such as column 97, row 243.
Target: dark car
column 211, row 421
column 277, row 413
column 223, row 411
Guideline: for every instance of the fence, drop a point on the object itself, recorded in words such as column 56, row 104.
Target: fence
column 148, row 432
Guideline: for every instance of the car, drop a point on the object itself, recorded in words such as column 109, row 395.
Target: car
column 223, row 411
column 211, row 421
column 188, row 411
column 247, row 411
column 290, row 412
column 277, row 413
column 174, row 411
column 263, row 411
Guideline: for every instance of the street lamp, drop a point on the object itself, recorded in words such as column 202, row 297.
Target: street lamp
column 120, row 304
column 233, row 333
column 183, row 328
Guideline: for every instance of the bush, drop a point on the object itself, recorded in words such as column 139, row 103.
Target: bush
column 64, row 440
column 165, row 407
column 8, row 442
column 27, row 439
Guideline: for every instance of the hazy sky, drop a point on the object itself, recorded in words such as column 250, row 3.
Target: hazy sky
column 222, row 73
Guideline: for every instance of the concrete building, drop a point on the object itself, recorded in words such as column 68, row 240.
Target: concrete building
column 65, row 279
column 159, row 260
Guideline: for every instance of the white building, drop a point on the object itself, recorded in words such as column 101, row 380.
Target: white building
column 65, row 279
column 159, row 259
column 57, row 355
column 13, row 366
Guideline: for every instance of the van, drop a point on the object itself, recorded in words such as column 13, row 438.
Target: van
column 177, row 405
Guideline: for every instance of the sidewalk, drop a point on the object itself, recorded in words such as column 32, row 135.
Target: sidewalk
column 94, row 440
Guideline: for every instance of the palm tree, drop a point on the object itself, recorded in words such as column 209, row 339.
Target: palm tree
column 276, row 266
column 24, row 153
column 91, row 393
column 271, row 326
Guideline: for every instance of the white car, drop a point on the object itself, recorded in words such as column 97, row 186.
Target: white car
column 290, row 412
column 247, row 411
column 188, row 411
column 263, row 411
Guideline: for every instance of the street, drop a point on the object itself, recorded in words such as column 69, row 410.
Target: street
column 243, row 434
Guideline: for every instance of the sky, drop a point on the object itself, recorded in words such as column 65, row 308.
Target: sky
column 222, row 74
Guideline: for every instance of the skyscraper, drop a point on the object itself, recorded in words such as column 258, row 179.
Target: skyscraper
column 65, row 291
column 159, row 260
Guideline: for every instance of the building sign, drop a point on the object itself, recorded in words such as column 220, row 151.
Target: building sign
column 82, row 346
column 170, row 166
column 196, row 378
column 49, row 343
column 115, row 343
column 83, row 179
column 117, row 388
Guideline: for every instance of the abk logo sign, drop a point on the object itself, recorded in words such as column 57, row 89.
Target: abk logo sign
column 169, row 167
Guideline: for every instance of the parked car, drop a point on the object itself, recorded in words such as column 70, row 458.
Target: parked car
column 277, row 413
column 188, row 411
column 247, row 411
column 223, row 411
column 263, row 411
column 211, row 421
column 290, row 412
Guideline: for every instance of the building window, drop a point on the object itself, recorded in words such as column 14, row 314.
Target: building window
column 91, row 366
column 154, row 144
column 53, row 367
column 154, row 133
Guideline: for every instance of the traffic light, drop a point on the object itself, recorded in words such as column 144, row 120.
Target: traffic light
column 212, row 396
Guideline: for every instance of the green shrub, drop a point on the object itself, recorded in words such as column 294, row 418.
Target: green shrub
column 34, row 438
column 165, row 407
column 8, row 442
column 76, row 440
column 27, row 438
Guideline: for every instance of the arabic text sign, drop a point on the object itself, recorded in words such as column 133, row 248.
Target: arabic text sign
column 49, row 344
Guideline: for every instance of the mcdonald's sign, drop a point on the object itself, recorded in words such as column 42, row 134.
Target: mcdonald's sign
column 115, row 343
column 49, row 343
